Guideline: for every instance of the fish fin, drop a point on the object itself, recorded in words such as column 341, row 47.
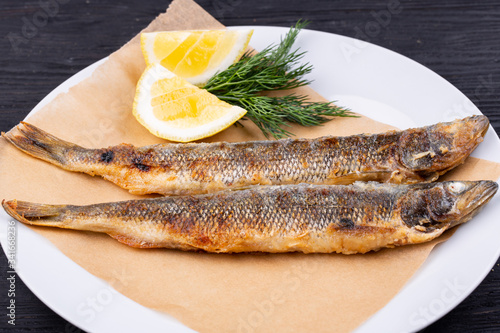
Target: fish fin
column 32, row 213
column 134, row 242
column 35, row 142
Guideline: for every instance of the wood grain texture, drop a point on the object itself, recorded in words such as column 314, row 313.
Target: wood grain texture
column 458, row 39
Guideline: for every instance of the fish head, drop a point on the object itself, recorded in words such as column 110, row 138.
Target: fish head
column 444, row 205
column 431, row 151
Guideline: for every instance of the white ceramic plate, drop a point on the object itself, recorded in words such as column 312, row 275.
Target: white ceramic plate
column 370, row 80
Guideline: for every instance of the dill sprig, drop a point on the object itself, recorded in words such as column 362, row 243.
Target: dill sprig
column 277, row 67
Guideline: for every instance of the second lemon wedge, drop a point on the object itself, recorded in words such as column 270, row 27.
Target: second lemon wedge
column 174, row 109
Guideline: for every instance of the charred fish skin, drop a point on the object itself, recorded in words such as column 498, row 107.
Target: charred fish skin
column 348, row 219
column 399, row 157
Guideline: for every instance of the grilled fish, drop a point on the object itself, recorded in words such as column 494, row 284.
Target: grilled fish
column 410, row 156
column 348, row 219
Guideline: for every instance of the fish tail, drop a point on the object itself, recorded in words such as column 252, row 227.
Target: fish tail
column 35, row 142
column 34, row 213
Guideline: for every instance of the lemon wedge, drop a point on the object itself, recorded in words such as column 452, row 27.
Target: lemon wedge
column 174, row 109
column 195, row 56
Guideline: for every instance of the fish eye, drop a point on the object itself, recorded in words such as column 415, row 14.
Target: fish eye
column 456, row 187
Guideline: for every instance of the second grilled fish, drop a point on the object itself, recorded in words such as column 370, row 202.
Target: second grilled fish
column 410, row 156
column 347, row 219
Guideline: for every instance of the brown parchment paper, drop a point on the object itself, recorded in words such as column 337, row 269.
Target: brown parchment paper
column 207, row 292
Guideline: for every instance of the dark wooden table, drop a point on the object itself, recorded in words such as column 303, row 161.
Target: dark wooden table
column 458, row 39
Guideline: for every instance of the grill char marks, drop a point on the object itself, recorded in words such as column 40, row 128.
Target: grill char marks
column 107, row 156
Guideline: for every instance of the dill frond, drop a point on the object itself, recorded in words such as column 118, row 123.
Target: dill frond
column 277, row 67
